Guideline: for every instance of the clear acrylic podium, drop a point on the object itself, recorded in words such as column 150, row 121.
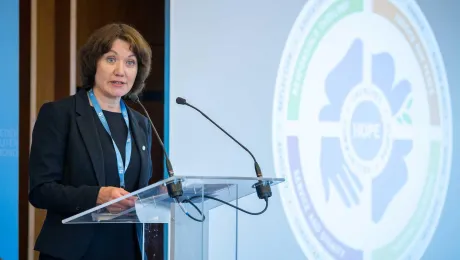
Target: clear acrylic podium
column 187, row 238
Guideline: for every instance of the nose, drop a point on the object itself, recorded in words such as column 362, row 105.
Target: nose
column 119, row 69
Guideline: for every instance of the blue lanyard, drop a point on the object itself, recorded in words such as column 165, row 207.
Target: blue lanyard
column 121, row 168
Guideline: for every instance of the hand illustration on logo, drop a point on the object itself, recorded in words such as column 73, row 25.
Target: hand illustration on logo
column 336, row 172
column 339, row 83
column 367, row 134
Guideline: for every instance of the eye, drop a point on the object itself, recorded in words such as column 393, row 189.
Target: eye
column 131, row 63
column 110, row 59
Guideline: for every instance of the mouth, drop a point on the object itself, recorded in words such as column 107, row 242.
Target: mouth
column 117, row 83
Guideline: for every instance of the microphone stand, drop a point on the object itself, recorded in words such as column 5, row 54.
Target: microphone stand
column 263, row 189
column 174, row 188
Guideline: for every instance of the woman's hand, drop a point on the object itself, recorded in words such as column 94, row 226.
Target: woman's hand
column 107, row 194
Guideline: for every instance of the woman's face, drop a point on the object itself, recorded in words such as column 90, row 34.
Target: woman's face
column 116, row 70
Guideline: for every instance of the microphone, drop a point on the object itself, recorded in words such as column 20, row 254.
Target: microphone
column 263, row 189
column 174, row 188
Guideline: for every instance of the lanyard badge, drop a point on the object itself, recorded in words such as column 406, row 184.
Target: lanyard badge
column 122, row 167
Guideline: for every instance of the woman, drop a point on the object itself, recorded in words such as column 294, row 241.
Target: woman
column 91, row 148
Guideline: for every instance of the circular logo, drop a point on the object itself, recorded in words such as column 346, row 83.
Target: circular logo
column 362, row 130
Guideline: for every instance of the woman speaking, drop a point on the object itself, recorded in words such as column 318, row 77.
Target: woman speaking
column 90, row 148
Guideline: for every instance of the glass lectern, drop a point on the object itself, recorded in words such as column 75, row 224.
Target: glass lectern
column 188, row 232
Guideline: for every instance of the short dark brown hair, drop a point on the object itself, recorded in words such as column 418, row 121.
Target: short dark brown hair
column 100, row 42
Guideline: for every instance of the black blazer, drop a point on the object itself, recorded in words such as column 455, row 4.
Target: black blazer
column 66, row 170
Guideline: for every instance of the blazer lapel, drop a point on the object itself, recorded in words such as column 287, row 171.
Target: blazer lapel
column 88, row 131
column 141, row 144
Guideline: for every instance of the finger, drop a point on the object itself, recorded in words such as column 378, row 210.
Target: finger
column 340, row 190
column 120, row 205
column 326, row 186
column 118, row 192
column 327, row 169
column 114, row 209
column 126, row 203
column 353, row 178
column 344, row 176
column 123, row 192
column 130, row 198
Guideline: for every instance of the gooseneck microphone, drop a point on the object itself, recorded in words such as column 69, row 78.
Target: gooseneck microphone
column 174, row 188
column 263, row 189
